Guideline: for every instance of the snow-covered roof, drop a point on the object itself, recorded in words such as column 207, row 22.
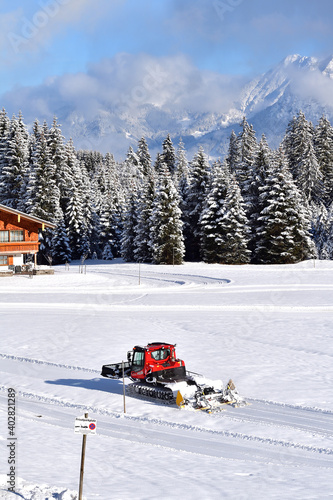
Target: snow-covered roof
column 27, row 216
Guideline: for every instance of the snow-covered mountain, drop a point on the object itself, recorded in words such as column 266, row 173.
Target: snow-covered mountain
column 268, row 101
column 271, row 100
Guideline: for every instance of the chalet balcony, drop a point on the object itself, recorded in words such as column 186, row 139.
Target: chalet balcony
column 18, row 247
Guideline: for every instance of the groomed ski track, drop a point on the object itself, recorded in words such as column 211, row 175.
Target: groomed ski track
column 35, row 406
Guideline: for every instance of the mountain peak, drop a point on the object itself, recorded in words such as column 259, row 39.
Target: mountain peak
column 326, row 66
column 299, row 61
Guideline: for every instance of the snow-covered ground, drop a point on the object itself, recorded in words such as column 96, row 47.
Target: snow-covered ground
column 268, row 327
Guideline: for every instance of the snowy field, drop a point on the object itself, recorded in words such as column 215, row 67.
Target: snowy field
column 267, row 327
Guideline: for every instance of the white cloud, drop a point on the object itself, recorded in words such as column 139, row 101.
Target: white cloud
column 313, row 85
column 127, row 82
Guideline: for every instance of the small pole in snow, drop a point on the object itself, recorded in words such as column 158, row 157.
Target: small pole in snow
column 139, row 274
column 123, row 367
column 83, row 453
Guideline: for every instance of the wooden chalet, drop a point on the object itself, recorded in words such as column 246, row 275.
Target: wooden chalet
column 19, row 236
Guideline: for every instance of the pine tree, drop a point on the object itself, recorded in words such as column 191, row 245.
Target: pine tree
column 320, row 229
column 168, row 156
column 182, row 174
column 260, row 169
column 144, row 156
column 233, row 157
column 14, row 163
column 232, row 242
column 62, row 161
column 42, row 192
column 130, row 223
column 60, row 249
column 194, row 203
column 323, row 143
column 298, row 144
column 167, row 228
column 107, row 252
column 284, row 233
column 146, row 196
column 211, row 217
column 4, row 130
column 132, row 170
column 78, row 214
column 245, row 151
column 109, row 202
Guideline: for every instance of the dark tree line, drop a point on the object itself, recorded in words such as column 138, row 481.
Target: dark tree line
column 255, row 205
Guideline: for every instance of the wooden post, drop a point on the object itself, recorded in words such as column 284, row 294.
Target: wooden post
column 83, row 453
column 124, row 386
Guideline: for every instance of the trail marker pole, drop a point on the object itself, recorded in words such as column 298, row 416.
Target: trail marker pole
column 124, row 386
column 83, row 454
column 84, row 426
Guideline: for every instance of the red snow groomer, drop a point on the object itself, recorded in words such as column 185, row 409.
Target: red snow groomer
column 158, row 373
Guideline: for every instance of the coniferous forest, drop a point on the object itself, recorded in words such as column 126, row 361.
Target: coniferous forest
column 256, row 205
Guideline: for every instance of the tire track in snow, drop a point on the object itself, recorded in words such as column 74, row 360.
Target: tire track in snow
column 310, row 420
column 285, row 410
column 47, row 363
column 188, row 438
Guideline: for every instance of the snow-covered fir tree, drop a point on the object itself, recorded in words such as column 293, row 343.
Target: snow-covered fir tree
column 14, row 163
column 62, row 161
column 244, row 155
column 298, row 144
column 212, row 226
column 257, row 180
column 167, row 239
column 60, row 247
column 129, row 226
column 182, row 172
column 146, row 196
column 107, row 252
column 320, row 229
column 233, row 157
column 168, row 156
column 232, row 242
column 144, row 156
column 323, row 143
column 284, row 230
column 43, row 194
column 131, row 170
column 194, row 204
column 109, row 202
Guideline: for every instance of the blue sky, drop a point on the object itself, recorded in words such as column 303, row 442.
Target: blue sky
column 65, row 42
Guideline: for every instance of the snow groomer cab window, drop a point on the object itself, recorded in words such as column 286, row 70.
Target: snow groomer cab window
column 160, row 354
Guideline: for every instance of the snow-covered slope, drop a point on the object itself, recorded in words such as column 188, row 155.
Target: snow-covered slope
column 267, row 327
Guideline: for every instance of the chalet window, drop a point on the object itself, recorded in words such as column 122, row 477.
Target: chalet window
column 4, row 236
column 3, row 260
column 16, row 236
